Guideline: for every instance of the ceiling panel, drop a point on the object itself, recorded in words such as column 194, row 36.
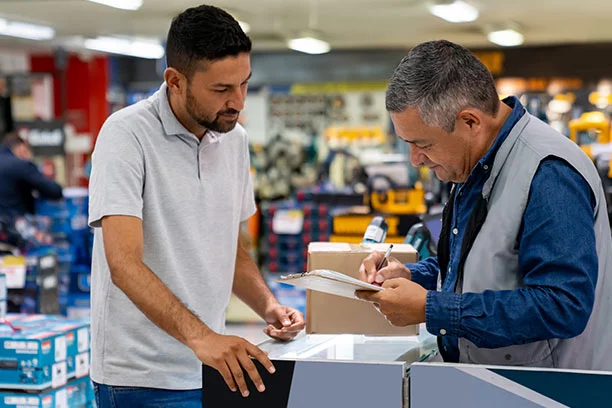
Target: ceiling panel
column 344, row 23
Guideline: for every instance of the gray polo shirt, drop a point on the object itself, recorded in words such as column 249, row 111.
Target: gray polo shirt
column 191, row 197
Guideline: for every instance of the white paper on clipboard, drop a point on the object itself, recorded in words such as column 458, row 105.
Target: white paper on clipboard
column 328, row 281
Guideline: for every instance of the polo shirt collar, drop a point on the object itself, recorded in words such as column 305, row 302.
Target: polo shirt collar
column 171, row 124
column 169, row 121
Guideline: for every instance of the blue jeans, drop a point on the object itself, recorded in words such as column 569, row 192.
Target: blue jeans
column 109, row 396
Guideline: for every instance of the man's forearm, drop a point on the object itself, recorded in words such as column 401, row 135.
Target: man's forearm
column 157, row 302
column 249, row 285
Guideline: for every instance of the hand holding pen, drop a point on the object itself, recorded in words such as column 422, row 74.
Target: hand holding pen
column 376, row 268
column 385, row 258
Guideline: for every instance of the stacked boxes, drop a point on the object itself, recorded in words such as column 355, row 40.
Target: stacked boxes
column 76, row 332
column 286, row 247
column 47, row 357
column 32, row 359
column 38, row 292
column 73, row 239
column 75, row 394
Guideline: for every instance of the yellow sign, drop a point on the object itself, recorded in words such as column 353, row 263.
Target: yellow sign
column 337, row 87
column 356, row 133
column 493, row 60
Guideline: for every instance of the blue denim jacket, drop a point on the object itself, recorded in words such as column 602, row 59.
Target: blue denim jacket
column 558, row 219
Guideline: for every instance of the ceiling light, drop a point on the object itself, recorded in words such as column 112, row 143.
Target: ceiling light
column 246, row 27
column 26, row 30
column 134, row 48
column 120, row 4
column 455, row 12
column 506, row 38
column 309, row 45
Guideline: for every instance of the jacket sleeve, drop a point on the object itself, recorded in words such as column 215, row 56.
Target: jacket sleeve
column 37, row 181
column 425, row 272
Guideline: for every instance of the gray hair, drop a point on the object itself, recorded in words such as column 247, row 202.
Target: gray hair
column 440, row 79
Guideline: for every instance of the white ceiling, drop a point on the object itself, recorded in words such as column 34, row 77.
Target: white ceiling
column 344, row 23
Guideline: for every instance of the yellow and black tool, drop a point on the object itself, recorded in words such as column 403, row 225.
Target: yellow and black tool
column 392, row 198
column 592, row 133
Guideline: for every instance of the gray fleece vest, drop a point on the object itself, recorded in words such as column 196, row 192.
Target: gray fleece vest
column 492, row 261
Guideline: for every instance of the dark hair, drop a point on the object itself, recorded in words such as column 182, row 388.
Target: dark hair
column 203, row 33
column 440, row 79
column 12, row 140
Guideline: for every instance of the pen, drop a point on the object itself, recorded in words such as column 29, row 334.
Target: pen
column 380, row 265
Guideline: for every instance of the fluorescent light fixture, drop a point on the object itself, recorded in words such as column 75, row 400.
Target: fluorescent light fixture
column 506, row 38
column 309, row 45
column 246, row 27
column 120, row 4
column 134, row 48
column 455, row 12
column 26, row 30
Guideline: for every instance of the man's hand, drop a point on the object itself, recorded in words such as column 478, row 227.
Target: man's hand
column 284, row 322
column 392, row 269
column 402, row 302
column 230, row 355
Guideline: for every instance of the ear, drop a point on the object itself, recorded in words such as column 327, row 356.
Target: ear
column 176, row 81
column 470, row 118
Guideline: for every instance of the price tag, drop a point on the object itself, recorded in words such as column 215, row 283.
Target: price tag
column 14, row 267
column 288, row 222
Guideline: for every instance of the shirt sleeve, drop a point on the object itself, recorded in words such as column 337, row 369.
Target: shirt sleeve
column 425, row 272
column 248, row 195
column 117, row 175
column 37, row 181
column 559, row 290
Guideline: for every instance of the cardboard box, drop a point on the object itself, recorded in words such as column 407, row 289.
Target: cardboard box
column 329, row 314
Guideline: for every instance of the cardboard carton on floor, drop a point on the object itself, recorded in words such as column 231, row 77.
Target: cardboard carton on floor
column 329, row 314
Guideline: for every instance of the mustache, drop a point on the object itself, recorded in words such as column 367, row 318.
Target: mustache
column 229, row 112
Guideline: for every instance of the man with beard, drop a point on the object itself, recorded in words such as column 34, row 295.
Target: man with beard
column 170, row 185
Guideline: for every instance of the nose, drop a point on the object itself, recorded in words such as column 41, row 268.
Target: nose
column 416, row 156
column 237, row 98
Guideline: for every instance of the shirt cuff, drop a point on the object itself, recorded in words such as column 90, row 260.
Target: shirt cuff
column 420, row 274
column 442, row 313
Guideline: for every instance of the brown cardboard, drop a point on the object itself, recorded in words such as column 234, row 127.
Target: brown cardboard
column 329, row 314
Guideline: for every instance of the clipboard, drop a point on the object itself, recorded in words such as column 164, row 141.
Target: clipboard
column 328, row 281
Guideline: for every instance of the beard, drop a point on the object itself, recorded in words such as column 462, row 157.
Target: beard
column 217, row 123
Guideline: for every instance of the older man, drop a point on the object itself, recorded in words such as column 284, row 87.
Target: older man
column 521, row 276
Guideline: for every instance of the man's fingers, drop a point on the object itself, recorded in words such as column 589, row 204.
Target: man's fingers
column 370, row 263
column 226, row 373
column 367, row 295
column 393, row 269
column 297, row 321
column 249, row 367
column 282, row 334
column 260, row 356
column 273, row 331
column 391, row 283
column 238, row 375
column 362, row 273
column 283, row 317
